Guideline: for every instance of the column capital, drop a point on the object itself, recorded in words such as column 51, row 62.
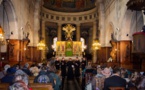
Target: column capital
column 43, row 21
column 59, row 24
column 78, row 24
column 94, row 22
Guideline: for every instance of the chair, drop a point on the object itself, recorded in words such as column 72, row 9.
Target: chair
column 116, row 88
column 4, row 86
column 39, row 86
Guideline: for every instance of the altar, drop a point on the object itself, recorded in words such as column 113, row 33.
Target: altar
column 69, row 48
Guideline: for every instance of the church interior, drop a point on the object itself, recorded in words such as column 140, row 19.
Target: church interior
column 105, row 32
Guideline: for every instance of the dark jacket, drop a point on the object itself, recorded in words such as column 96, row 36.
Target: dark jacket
column 9, row 78
column 114, row 81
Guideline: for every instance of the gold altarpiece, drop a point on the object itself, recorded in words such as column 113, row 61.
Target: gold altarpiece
column 68, row 48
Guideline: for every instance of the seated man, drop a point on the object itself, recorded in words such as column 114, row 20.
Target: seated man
column 115, row 80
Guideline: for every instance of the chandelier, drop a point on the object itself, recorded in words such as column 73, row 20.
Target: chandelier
column 41, row 45
column 96, row 45
column 2, row 36
column 137, row 5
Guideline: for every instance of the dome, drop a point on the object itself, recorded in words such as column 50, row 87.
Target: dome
column 69, row 5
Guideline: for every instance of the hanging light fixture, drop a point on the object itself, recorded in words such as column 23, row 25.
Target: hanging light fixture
column 41, row 45
column 96, row 45
column 1, row 30
column 1, row 35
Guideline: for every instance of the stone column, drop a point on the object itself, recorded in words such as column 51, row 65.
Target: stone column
column 78, row 32
column 43, row 53
column 59, row 31
column 101, row 23
column 93, row 38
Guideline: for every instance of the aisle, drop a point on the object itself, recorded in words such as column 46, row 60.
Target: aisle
column 71, row 84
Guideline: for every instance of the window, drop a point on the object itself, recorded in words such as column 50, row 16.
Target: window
column 54, row 43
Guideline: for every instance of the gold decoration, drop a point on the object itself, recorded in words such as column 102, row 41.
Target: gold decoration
column 96, row 45
column 68, row 29
column 41, row 45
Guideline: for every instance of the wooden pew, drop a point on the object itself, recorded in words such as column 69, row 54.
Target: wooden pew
column 4, row 86
column 132, row 88
column 116, row 88
column 31, row 79
column 39, row 86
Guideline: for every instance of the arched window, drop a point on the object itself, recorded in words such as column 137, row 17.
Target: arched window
column 83, row 44
column 54, row 43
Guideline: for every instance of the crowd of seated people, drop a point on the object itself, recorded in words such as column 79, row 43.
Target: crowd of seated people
column 94, row 77
column 18, row 76
column 108, row 77
column 54, row 72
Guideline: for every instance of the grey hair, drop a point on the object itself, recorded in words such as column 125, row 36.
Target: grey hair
column 21, row 75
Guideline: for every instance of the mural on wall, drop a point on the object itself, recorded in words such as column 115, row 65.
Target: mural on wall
column 69, row 5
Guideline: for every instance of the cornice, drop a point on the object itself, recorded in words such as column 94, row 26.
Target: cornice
column 73, row 17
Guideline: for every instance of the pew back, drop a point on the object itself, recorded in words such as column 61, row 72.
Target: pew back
column 116, row 88
column 4, row 86
column 31, row 79
column 39, row 86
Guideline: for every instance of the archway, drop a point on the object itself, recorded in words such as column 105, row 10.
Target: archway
column 8, row 21
column 109, row 33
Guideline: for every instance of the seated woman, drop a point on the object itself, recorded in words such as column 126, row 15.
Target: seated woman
column 141, row 84
column 9, row 77
column 20, row 81
column 134, row 80
column 42, row 76
column 18, row 85
column 21, row 75
column 57, row 79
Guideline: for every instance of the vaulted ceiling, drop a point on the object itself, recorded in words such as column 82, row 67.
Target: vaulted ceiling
column 69, row 5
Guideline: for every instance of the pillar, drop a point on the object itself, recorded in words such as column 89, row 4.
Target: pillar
column 78, row 32
column 102, row 23
column 43, row 53
column 59, row 32
column 93, row 38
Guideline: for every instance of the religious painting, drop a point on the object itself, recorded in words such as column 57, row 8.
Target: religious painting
column 69, row 5
column 69, row 48
column 60, row 48
column 77, row 50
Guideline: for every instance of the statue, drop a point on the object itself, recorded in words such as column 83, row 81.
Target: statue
column 68, row 29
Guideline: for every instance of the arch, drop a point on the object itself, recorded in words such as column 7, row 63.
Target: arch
column 136, row 22
column 8, row 21
column 128, row 24
column 11, row 19
column 28, row 31
column 109, row 32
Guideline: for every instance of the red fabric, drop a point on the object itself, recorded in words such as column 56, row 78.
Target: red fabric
column 139, row 33
column 30, row 89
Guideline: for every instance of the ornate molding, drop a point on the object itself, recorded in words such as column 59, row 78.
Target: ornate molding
column 81, row 17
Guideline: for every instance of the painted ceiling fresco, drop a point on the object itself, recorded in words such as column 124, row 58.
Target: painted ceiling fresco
column 69, row 5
